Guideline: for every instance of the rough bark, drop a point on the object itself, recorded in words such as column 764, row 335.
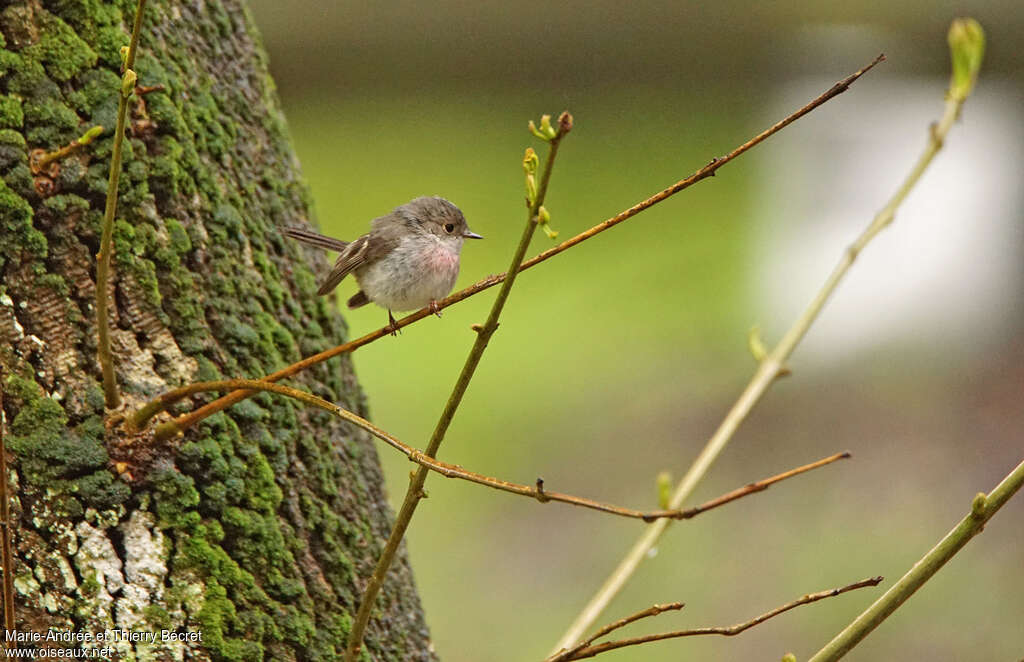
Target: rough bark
column 255, row 528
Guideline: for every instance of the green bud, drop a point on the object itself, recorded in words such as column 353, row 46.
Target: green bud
column 90, row 135
column 124, row 55
column 755, row 344
column 535, row 131
column 789, row 657
column 967, row 48
column 128, row 81
column 546, row 128
column 530, row 161
column 543, row 219
column 979, row 504
column 664, row 489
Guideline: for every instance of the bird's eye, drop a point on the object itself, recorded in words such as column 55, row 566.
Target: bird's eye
column 449, row 227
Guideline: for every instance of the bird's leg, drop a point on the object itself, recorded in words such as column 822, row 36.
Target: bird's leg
column 434, row 309
column 392, row 324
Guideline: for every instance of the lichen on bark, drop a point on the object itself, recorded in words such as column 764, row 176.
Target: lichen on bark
column 254, row 528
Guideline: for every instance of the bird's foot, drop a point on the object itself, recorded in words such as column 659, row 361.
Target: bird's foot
column 434, row 308
column 392, row 326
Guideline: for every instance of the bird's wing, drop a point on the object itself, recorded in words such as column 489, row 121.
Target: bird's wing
column 352, row 257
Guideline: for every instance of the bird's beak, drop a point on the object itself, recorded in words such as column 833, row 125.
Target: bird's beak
column 471, row 235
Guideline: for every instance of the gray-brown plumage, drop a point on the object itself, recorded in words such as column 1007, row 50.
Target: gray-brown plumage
column 408, row 260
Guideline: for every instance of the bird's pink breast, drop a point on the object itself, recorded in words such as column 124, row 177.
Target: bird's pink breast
column 442, row 260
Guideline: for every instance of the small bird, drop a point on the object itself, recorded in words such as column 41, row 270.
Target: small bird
column 408, row 260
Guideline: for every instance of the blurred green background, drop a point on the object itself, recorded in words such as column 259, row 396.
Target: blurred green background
column 617, row 360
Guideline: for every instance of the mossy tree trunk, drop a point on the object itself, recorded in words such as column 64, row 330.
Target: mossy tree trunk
column 255, row 528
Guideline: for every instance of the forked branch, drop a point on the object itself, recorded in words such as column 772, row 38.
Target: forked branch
column 591, row 649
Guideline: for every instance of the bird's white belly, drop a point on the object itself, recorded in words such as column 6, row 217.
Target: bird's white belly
column 411, row 276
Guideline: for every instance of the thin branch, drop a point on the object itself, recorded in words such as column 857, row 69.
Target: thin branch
column 653, row 610
column 5, row 524
column 982, row 510
column 187, row 420
column 730, row 631
column 483, row 336
column 768, row 370
column 110, row 392
column 455, row 471
column 40, row 159
column 759, row 486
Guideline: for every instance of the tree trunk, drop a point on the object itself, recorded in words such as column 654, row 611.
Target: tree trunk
column 255, row 529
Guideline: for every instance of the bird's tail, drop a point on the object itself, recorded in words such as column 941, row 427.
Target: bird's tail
column 315, row 239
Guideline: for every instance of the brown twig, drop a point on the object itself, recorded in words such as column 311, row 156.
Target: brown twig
column 728, row 631
column 112, row 396
column 653, row 610
column 143, row 90
column 455, row 471
column 760, row 485
column 39, row 159
column 187, row 420
column 5, row 525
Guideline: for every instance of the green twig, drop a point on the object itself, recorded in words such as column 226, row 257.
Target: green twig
column 484, row 333
column 40, row 159
column 982, row 510
column 769, row 369
column 110, row 392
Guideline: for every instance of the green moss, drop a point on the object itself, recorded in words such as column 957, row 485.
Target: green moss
column 27, row 78
column 52, row 456
column 101, row 489
column 215, row 619
column 158, row 617
column 66, row 203
column 90, row 586
column 11, row 116
column 9, row 138
column 227, row 222
column 54, row 282
column 131, row 242
column 49, row 124
column 180, row 243
column 94, row 397
column 176, row 497
column 16, row 223
column 19, row 180
column 208, row 370
column 97, row 98
column 61, row 52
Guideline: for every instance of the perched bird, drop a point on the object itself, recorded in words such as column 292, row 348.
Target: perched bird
column 408, row 260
